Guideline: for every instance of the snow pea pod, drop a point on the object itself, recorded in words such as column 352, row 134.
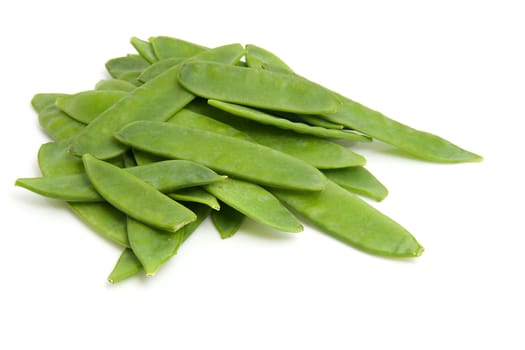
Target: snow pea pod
column 71, row 188
column 345, row 216
column 114, row 85
column 135, row 197
column 87, row 105
column 166, row 47
column 358, row 180
column 121, row 67
column 256, row 203
column 158, row 99
column 257, row 57
column 282, row 123
column 158, row 67
column 257, row 88
column 54, row 159
column 42, row 101
column 145, row 49
column 316, row 121
column 235, row 157
column 58, row 125
column 196, row 195
column 126, row 266
column 227, row 221
column 415, row 142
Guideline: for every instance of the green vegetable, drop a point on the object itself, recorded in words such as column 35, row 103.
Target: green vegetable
column 227, row 220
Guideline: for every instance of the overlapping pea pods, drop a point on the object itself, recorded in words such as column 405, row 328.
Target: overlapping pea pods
column 182, row 132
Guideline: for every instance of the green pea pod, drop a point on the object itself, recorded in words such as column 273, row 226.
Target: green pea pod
column 159, row 67
column 145, row 49
column 358, row 180
column 144, row 158
column 202, row 212
column 54, row 159
column 152, row 247
column 227, row 221
column 121, row 67
column 87, row 105
column 114, row 85
column 167, row 47
column 42, row 101
column 235, row 157
column 316, row 121
column 257, row 57
column 318, row 152
column 158, row 99
column 257, row 88
column 256, row 203
column 282, row 123
column 71, row 188
column 345, row 216
column 127, row 266
column 58, row 125
column 196, row 195
column 135, row 197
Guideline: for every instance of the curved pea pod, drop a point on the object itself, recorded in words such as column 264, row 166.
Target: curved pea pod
column 351, row 220
column 256, row 203
column 227, row 221
column 417, row 143
column 257, row 88
column 87, row 105
column 71, row 188
column 54, row 159
column 166, row 47
column 235, row 157
column 126, row 66
column 196, row 195
column 158, row 99
column 135, row 197
column 58, row 125
column 282, row 123
column 42, row 101
column 257, row 57
column 159, row 67
column 358, row 180
column 126, row 266
column 114, row 85
column 145, row 49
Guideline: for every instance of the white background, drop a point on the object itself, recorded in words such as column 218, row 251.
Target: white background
column 455, row 68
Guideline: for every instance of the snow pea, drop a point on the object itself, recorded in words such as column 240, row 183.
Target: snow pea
column 227, row 221
column 197, row 195
column 167, row 47
column 316, row 121
column 145, row 49
column 158, row 67
column 257, row 57
column 71, row 188
column 158, row 99
column 256, row 203
column 114, row 85
column 58, row 125
column 257, row 88
column 121, row 67
column 135, row 197
column 415, row 142
column 127, row 266
column 346, row 217
column 42, row 101
column 235, row 157
column 87, row 105
column 54, row 159
column 358, row 180
column 282, row 123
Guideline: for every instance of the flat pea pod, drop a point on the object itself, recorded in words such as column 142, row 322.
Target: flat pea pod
column 152, row 247
column 159, row 67
column 318, row 152
column 158, row 99
column 42, row 101
column 235, row 157
column 256, row 203
column 166, row 47
column 345, row 216
column 316, row 121
column 417, row 143
column 358, row 180
column 121, row 67
column 54, row 159
column 165, row 176
column 227, row 221
column 58, row 125
column 257, row 88
column 126, row 266
column 135, row 197
column 282, row 123
column 196, row 195
column 114, row 85
column 144, row 158
column 202, row 212
column 87, row 105
column 145, row 49
column 257, row 57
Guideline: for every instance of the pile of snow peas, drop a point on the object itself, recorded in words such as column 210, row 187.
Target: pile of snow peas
column 182, row 132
